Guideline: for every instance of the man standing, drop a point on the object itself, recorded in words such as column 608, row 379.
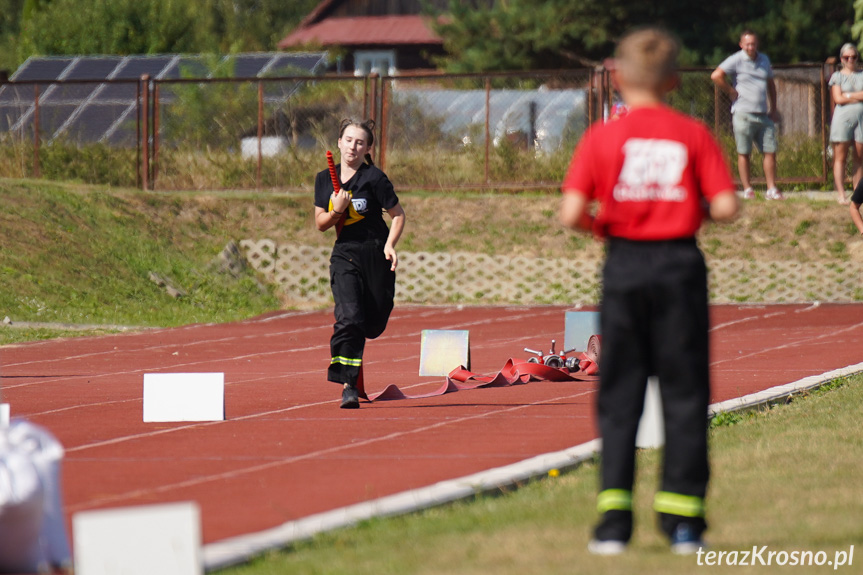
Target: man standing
column 747, row 77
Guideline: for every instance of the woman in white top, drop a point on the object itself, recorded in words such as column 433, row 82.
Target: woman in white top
column 846, row 88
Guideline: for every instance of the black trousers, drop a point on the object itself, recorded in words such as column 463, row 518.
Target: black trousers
column 654, row 321
column 363, row 290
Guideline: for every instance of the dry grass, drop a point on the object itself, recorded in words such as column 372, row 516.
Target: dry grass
column 798, row 229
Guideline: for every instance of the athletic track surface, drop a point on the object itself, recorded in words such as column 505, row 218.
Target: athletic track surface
column 285, row 449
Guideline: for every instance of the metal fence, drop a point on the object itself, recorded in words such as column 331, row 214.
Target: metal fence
column 435, row 131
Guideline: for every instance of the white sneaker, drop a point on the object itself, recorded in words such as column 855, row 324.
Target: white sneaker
column 774, row 194
column 608, row 547
column 748, row 194
column 687, row 547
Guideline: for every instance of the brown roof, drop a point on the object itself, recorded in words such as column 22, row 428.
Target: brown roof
column 364, row 31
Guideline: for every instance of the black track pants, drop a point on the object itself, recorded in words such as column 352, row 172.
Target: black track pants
column 654, row 321
column 363, row 289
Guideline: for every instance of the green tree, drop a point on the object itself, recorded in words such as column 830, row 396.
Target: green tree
column 110, row 27
column 791, row 31
column 10, row 15
column 534, row 34
column 58, row 27
column 253, row 25
column 523, row 34
column 10, row 27
column 857, row 28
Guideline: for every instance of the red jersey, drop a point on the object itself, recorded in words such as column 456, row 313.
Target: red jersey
column 649, row 171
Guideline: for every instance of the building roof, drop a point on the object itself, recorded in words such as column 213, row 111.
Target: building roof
column 365, row 31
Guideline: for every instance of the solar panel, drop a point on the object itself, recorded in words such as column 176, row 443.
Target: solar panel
column 126, row 91
column 51, row 118
column 9, row 115
column 11, row 94
column 89, row 108
column 66, row 93
column 188, row 68
column 99, row 119
column 249, row 66
column 136, row 66
column 287, row 64
column 41, row 69
column 92, row 68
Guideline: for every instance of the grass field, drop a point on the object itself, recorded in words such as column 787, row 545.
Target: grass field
column 786, row 478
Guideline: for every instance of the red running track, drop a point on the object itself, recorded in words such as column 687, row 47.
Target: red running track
column 286, row 451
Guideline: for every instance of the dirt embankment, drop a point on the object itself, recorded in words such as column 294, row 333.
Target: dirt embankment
column 518, row 224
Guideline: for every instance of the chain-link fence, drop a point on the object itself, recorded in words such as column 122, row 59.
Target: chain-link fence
column 239, row 134
column 71, row 130
column 803, row 100
column 435, row 131
column 499, row 131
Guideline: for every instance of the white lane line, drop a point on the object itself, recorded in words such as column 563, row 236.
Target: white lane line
column 173, row 345
column 296, row 331
column 747, row 319
column 393, row 339
column 812, row 307
column 166, row 368
column 796, row 343
column 228, row 475
column 198, row 425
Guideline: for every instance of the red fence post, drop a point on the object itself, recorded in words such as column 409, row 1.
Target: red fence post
column 260, row 131
column 487, row 127
column 824, row 127
column 716, row 110
column 36, row 169
column 154, row 164
column 382, row 145
column 138, row 135
column 603, row 96
column 366, row 97
column 145, row 132
column 373, row 107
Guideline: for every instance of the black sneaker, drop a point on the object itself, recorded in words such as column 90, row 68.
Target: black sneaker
column 350, row 397
column 615, row 525
column 685, row 541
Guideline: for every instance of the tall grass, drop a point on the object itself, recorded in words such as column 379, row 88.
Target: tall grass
column 798, row 157
column 90, row 164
